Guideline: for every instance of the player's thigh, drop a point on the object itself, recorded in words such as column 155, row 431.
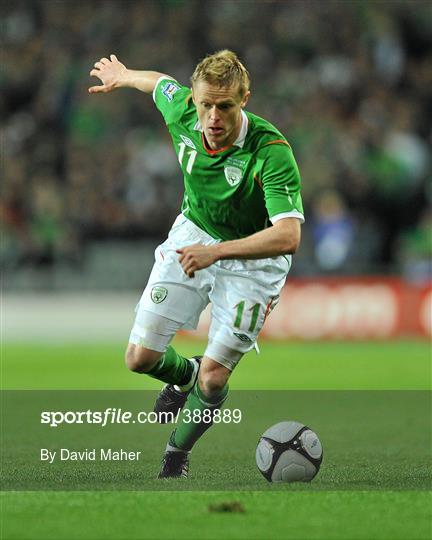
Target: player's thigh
column 169, row 291
column 241, row 301
column 164, row 309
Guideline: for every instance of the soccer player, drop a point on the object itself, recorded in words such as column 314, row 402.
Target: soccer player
column 231, row 245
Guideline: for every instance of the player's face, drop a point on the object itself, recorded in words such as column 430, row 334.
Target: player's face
column 219, row 112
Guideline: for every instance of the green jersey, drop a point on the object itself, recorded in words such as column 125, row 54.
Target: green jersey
column 236, row 191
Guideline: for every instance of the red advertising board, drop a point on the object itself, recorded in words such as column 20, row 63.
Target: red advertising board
column 348, row 308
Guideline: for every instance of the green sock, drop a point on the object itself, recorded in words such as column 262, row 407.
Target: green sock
column 187, row 433
column 172, row 368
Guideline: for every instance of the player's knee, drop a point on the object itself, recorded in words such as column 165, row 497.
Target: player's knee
column 213, row 381
column 139, row 359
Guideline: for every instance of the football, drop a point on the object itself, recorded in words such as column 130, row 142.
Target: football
column 289, row 452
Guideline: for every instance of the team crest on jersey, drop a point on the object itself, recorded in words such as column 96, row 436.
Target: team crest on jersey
column 233, row 175
column 158, row 294
column 169, row 89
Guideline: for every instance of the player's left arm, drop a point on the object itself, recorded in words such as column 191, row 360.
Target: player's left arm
column 281, row 239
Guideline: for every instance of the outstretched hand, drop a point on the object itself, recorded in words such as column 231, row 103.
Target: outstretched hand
column 196, row 257
column 110, row 72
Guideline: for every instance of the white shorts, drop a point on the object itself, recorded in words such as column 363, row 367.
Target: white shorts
column 242, row 294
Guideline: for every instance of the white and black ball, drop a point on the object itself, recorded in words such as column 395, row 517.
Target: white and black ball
column 289, row 452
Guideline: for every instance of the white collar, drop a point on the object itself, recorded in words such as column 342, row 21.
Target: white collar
column 242, row 134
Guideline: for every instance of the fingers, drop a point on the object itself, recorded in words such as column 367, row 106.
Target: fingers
column 105, row 62
column 186, row 263
column 191, row 260
column 96, row 89
column 189, row 267
column 189, row 270
column 98, row 71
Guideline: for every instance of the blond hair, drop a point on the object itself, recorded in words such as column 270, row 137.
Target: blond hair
column 223, row 68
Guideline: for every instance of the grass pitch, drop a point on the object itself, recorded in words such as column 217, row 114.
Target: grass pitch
column 397, row 365
column 341, row 503
column 186, row 515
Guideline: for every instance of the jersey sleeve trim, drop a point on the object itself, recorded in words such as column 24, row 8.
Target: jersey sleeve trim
column 294, row 214
column 163, row 77
column 278, row 141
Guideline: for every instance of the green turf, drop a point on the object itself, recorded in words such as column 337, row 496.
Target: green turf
column 379, row 365
column 316, row 511
column 148, row 515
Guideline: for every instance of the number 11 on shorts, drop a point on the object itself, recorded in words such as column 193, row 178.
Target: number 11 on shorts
column 239, row 315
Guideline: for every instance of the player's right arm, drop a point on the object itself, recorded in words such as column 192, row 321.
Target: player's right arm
column 113, row 74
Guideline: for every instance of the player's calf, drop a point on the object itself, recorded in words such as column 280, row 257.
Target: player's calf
column 212, row 378
column 140, row 359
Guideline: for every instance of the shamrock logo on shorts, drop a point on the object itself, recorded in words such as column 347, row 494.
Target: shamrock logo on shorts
column 158, row 294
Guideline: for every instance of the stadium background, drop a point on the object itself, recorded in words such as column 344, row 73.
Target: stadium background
column 90, row 185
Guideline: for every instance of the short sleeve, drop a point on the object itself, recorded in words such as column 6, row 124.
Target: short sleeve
column 281, row 181
column 171, row 98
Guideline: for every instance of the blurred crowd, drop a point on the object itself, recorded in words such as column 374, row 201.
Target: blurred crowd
column 348, row 82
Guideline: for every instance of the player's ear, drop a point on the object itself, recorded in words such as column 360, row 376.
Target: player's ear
column 193, row 96
column 245, row 99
